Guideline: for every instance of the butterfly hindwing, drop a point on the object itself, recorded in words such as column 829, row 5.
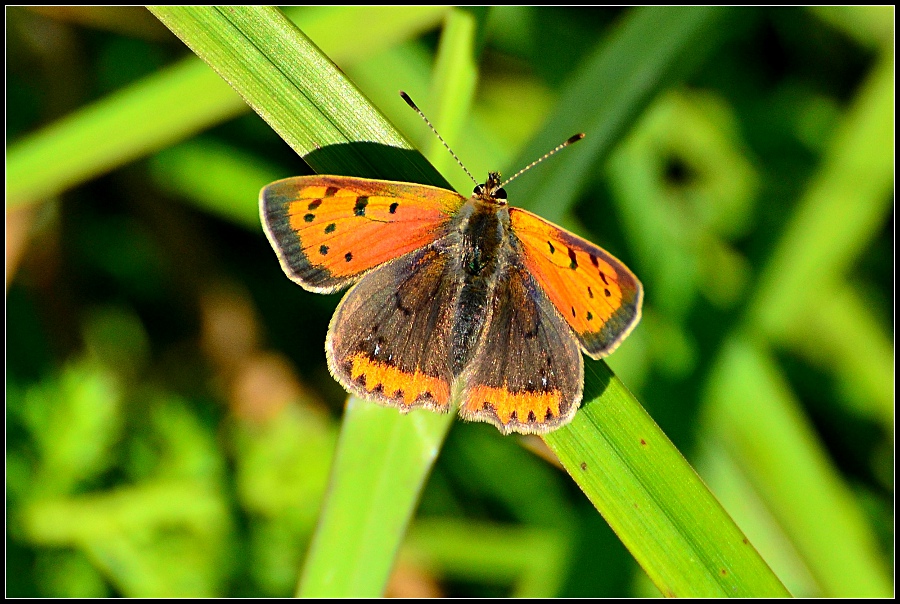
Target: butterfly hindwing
column 390, row 338
column 595, row 293
column 329, row 230
column 527, row 372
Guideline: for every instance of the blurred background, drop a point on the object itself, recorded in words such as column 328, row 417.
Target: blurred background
column 170, row 417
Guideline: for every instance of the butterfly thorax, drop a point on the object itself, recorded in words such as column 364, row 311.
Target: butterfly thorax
column 480, row 237
column 479, row 234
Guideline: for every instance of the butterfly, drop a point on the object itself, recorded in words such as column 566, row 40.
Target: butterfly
column 452, row 297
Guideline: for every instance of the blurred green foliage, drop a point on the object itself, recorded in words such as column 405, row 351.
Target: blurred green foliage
column 171, row 423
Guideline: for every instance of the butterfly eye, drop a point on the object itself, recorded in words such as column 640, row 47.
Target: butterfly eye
column 500, row 194
column 478, row 190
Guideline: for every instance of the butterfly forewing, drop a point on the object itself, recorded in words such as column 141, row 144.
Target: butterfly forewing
column 595, row 293
column 329, row 230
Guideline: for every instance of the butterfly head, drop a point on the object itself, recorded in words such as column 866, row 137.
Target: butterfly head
column 491, row 191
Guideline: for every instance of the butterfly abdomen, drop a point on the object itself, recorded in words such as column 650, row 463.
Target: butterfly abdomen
column 471, row 309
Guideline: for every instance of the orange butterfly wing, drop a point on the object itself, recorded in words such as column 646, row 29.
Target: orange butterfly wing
column 596, row 294
column 330, row 230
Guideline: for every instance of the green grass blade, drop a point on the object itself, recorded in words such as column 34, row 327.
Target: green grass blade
column 452, row 92
column 760, row 419
column 157, row 111
column 385, row 27
column 172, row 105
column 842, row 209
column 866, row 370
column 532, row 559
column 216, row 177
column 410, row 66
column 654, row 501
column 306, row 110
column 381, row 463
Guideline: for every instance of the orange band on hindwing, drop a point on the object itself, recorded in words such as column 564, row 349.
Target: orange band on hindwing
column 391, row 382
column 525, row 407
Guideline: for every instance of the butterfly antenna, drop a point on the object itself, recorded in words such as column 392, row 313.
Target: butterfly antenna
column 409, row 102
column 573, row 139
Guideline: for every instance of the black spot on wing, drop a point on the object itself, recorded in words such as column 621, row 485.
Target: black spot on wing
column 393, row 208
column 348, row 256
column 309, row 217
column 323, row 250
column 360, row 208
column 574, row 260
column 331, row 191
column 314, row 204
column 330, row 228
